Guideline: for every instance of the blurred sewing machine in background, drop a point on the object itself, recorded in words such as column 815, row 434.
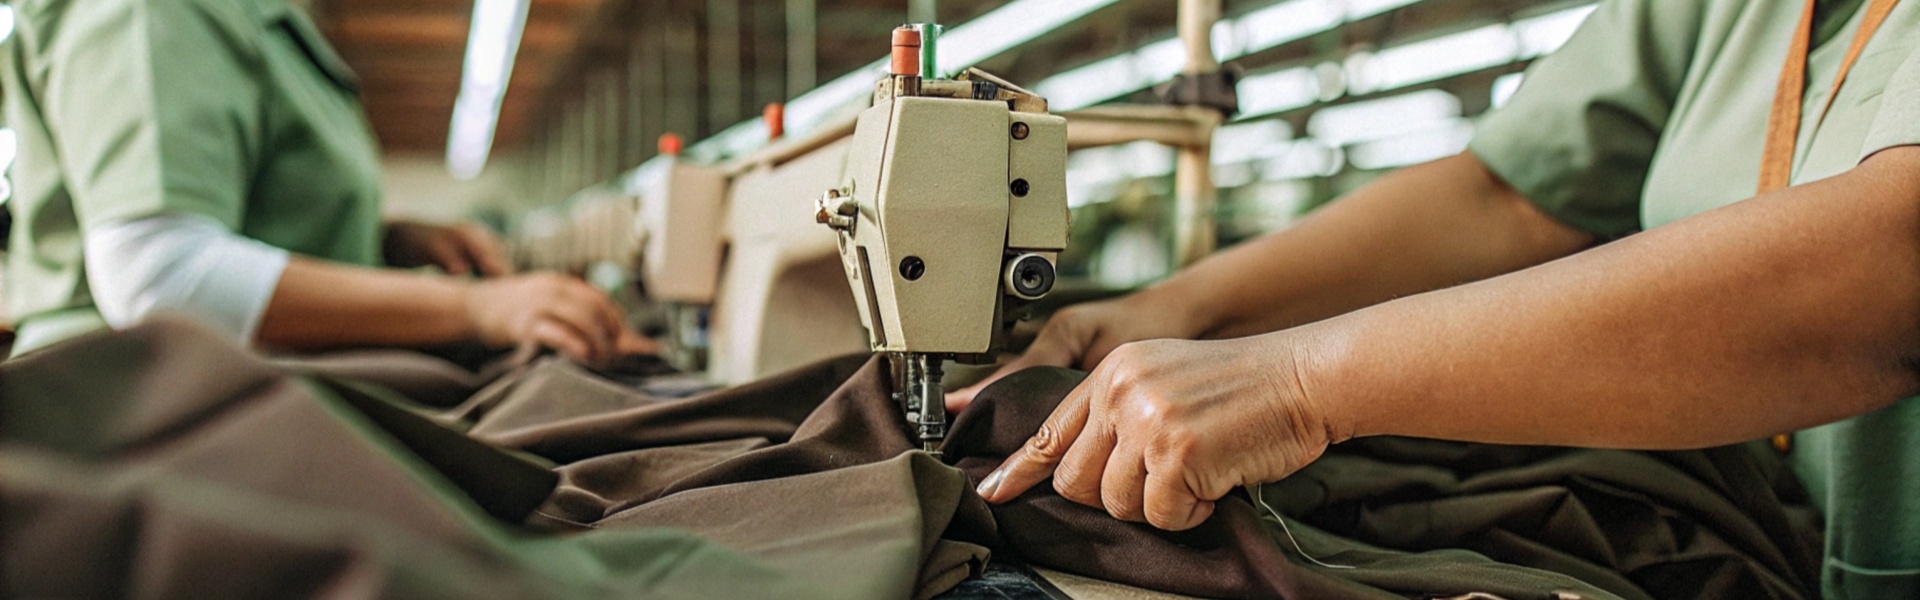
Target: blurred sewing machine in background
column 680, row 210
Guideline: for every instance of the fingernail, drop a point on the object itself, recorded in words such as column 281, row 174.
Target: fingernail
column 992, row 483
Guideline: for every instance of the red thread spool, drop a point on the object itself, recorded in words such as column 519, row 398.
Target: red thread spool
column 906, row 52
column 776, row 117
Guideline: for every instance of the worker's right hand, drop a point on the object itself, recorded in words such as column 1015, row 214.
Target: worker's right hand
column 1081, row 336
column 552, row 310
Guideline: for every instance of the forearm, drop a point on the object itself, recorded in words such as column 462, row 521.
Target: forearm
column 1790, row 310
column 320, row 305
column 1419, row 229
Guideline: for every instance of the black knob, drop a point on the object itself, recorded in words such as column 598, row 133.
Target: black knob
column 913, row 268
column 1030, row 276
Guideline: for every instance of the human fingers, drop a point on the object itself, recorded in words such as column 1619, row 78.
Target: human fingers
column 583, row 319
column 558, row 336
column 447, row 253
column 486, row 251
column 1169, row 503
column 1123, row 483
column 603, row 308
column 1054, row 348
column 1078, row 475
column 1034, row 461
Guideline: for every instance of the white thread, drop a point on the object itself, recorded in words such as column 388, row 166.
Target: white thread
column 1259, row 498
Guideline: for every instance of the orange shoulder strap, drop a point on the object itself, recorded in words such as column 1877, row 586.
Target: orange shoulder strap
column 1783, row 122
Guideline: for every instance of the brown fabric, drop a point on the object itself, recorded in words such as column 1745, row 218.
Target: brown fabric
column 197, row 471
column 161, row 462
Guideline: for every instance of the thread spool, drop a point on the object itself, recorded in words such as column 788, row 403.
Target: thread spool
column 906, row 52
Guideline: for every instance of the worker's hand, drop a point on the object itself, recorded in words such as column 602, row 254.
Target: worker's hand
column 1081, row 336
column 1164, row 428
column 552, row 310
column 457, row 249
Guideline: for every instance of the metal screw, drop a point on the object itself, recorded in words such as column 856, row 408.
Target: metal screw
column 913, row 268
column 1021, row 187
column 1020, row 130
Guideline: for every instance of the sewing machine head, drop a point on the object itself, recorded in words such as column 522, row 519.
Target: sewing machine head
column 950, row 215
column 680, row 208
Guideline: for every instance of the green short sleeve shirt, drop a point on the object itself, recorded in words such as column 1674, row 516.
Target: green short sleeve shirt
column 238, row 110
column 1655, row 111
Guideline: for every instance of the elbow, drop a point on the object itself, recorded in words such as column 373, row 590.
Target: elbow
column 180, row 264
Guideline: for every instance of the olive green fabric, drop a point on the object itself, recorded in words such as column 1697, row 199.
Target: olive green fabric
column 234, row 109
column 1655, row 111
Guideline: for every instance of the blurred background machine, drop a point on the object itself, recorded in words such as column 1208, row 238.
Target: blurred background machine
column 949, row 217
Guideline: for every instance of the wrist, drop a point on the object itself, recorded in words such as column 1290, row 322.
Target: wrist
column 1187, row 317
column 1309, row 363
column 465, row 305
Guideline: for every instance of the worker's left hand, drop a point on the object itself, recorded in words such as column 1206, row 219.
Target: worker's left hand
column 457, row 249
column 1163, row 428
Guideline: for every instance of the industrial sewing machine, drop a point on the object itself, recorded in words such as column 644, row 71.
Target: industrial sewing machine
column 950, row 215
column 680, row 210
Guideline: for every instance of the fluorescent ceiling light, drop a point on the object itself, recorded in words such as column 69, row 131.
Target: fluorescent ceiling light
column 1244, row 142
column 1095, row 174
column 1434, row 59
column 1016, row 23
column 1086, row 85
column 1093, row 83
column 1233, row 175
column 1227, row 39
column 1303, row 159
column 1412, row 149
column 1279, row 91
column 1361, row 9
column 1384, row 118
column 1464, row 52
column 1286, row 22
column 984, row 37
column 809, row 109
column 1259, row 30
column 9, row 146
column 493, row 39
column 1542, row 35
column 1280, row 202
column 1505, row 86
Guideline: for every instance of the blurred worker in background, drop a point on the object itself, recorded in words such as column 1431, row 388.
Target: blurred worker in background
column 1464, row 299
column 211, row 157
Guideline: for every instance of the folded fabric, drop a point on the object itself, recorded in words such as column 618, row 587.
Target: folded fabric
column 163, row 462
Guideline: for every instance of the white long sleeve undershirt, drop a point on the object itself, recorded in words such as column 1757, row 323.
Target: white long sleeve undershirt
column 182, row 263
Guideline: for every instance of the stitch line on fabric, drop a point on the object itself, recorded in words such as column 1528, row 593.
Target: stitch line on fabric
column 565, row 520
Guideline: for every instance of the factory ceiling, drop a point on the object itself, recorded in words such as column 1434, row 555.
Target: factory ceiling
column 638, row 68
column 408, row 55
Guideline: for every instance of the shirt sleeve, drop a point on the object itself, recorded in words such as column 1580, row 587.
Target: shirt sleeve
column 155, row 107
column 183, row 263
column 1578, row 137
column 1898, row 121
